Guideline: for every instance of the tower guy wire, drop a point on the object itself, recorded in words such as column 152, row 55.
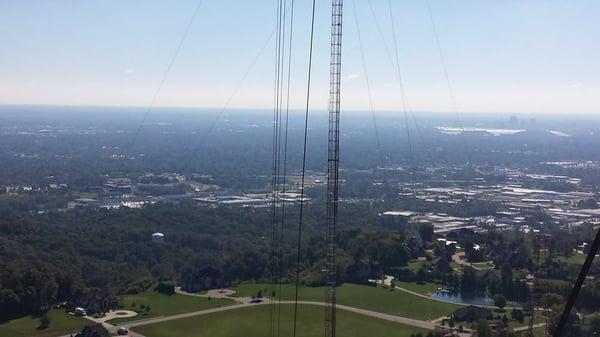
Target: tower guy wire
column 164, row 76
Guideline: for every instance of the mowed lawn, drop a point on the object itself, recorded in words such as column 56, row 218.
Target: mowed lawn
column 483, row 265
column 415, row 265
column 165, row 305
column 575, row 258
column 365, row 297
column 254, row 322
column 60, row 323
column 425, row 288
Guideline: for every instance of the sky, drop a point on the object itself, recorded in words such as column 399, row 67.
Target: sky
column 515, row 56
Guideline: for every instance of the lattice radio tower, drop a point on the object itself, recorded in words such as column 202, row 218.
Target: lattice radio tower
column 333, row 160
column 539, row 285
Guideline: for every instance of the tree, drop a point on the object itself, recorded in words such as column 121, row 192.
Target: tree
column 483, row 328
column 8, row 301
column 499, row 301
column 167, row 288
column 426, row 232
column 588, row 203
column 422, row 274
column 594, row 326
column 469, row 281
column 552, row 299
column 44, row 322
column 148, row 308
column 517, row 315
column 93, row 331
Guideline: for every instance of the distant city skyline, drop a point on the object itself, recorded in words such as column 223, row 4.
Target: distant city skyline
column 511, row 56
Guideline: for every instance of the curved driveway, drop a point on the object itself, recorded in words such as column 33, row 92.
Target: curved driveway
column 428, row 325
column 403, row 320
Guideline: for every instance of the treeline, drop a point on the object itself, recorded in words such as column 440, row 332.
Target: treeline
column 87, row 253
column 89, row 256
column 469, row 281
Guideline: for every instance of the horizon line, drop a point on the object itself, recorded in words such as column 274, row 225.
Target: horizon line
column 297, row 110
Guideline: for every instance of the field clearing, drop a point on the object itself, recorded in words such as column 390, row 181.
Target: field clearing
column 254, row 322
column 165, row 305
column 575, row 258
column 483, row 265
column 60, row 323
column 426, row 288
column 415, row 265
column 365, row 297
column 559, row 283
column 457, row 267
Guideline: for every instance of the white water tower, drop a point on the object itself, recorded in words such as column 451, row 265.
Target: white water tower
column 158, row 237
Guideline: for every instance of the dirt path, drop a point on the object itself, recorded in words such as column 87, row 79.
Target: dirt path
column 459, row 258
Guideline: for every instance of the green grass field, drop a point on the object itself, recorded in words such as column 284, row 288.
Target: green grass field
column 456, row 266
column 165, row 305
column 575, row 258
column 416, row 265
column 558, row 283
column 254, row 322
column 425, row 288
column 483, row 265
column 60, row 323
column 365, row 297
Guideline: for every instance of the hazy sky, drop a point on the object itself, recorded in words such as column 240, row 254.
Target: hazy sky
column 502, row 56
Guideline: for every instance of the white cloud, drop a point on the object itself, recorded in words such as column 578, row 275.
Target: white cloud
column 130, row 71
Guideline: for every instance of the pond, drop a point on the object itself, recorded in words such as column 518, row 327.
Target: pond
column 458, row 298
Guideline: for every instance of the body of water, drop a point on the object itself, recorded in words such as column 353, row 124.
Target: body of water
column 458, row 298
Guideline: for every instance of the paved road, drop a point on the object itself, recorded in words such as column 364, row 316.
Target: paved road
column 445, row 301
column 429, row 325
column 523, row 328
column 462, row 261
column 404, row 320
column 217, row 293
column 112, row 315
column 398, row 319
